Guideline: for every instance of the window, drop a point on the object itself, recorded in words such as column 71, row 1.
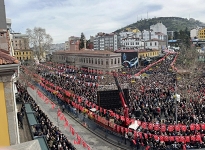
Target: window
column 107, row 63
column 26, row 52
column 150, row 43
column 98, row 61
column 118, row 60
column 92, row 60
column 115, row 61
column 89, row 61
column 155, row 43
column 86, row 60
column 101, row 61
column 95, row 61
column 111, row 61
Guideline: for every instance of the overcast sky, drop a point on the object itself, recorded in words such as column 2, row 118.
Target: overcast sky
column 64, row 18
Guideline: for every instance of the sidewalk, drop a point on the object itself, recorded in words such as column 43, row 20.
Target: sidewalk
column 91, row 139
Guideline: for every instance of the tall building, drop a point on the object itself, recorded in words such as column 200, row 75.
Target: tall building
column 72, row 43
column 20, row 43
column 105, row 41
column 159, row 27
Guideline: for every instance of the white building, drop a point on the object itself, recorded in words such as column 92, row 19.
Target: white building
column 104, row 41
column 194, row 32
column 159, row 27
column 131, row 40
column 155, row 44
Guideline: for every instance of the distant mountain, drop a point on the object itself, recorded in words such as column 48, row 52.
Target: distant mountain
column 172, row 23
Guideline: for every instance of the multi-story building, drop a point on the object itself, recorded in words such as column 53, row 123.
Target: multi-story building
column 148, row 53
column 155, row 44
column 159, row 27
column 24, row 54
column 103, row 41
column 20, row 41
column 201, row 34
column 131, row 40
column 72, row 43
column 21, row 47
column 103, row 61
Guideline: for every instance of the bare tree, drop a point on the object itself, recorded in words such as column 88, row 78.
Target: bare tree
column 39, row 40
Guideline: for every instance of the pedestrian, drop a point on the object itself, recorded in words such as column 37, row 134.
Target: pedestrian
column 63, row 108
column 20, row 119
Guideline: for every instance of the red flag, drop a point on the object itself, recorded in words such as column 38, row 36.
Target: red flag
column 59, row 112
column 134, row 142
column 66, row 123
column 72, row 130
column 62, row 117
column 53, row 105
column 84, row 144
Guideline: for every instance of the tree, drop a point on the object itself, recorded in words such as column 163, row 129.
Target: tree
column 39, row 40
column 82, row 40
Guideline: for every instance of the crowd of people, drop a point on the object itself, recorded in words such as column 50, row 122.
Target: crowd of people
column 152, row 101
column 55, row 138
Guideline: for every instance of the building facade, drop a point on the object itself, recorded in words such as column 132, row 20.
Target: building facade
column 103, row 61
column 194, row 33
column 155, row 44
column 159, row 27
column 20, row 41
column 24, row 54
column 104, row 41
column 201, row 34
column 148, row 53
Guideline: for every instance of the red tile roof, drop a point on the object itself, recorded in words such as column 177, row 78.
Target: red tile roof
column 5, row 58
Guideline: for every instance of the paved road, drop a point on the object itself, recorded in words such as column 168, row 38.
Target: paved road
column 91, row 139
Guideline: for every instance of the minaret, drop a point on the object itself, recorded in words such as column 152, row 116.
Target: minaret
column 85, row 43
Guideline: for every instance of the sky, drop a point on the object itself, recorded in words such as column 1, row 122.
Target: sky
column 65, row 18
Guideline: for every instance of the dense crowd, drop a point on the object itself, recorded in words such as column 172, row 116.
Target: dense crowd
column 55, row 138
column 152, row 101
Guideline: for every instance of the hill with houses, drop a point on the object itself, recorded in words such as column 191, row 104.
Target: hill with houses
column 172, row 24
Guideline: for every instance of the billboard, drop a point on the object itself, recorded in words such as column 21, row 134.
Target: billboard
column 129, row 59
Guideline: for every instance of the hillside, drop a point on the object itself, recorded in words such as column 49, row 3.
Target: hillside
column 172, row 23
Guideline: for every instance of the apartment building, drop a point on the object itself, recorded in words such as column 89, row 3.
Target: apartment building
column 104, row 41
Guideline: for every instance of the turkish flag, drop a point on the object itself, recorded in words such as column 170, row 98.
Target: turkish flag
column 150, row 126
column 84, row 144
column 182, row 139
column 122, row 118
column 193, row 138
column 144, row 125
column 198, row 127
column 66, row 123
column 62, row 117
column 187, row 139
column 177, row 128
column 171, row 138
column 156, row 127
column 59, row 112
column 192, row 127
column 198, row 137
column 161, row 138
column 183, row 128
column 166, row 138
column 145, row 135
column 203, row 126
column 170, row 128
column 156, row 137
column 163, row 128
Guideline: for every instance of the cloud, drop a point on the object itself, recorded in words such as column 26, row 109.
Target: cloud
column 64, row 18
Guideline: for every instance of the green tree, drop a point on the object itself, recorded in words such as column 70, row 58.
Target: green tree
column 82, row 39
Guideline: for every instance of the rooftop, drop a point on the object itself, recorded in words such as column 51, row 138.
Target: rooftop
column 6, row 59
column 84, row 51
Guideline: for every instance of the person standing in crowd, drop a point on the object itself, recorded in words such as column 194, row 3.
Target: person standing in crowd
column 20, row 119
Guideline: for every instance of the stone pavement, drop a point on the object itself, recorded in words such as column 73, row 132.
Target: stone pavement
column 94, row 142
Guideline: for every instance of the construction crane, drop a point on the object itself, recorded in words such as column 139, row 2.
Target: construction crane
column 122, row 98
